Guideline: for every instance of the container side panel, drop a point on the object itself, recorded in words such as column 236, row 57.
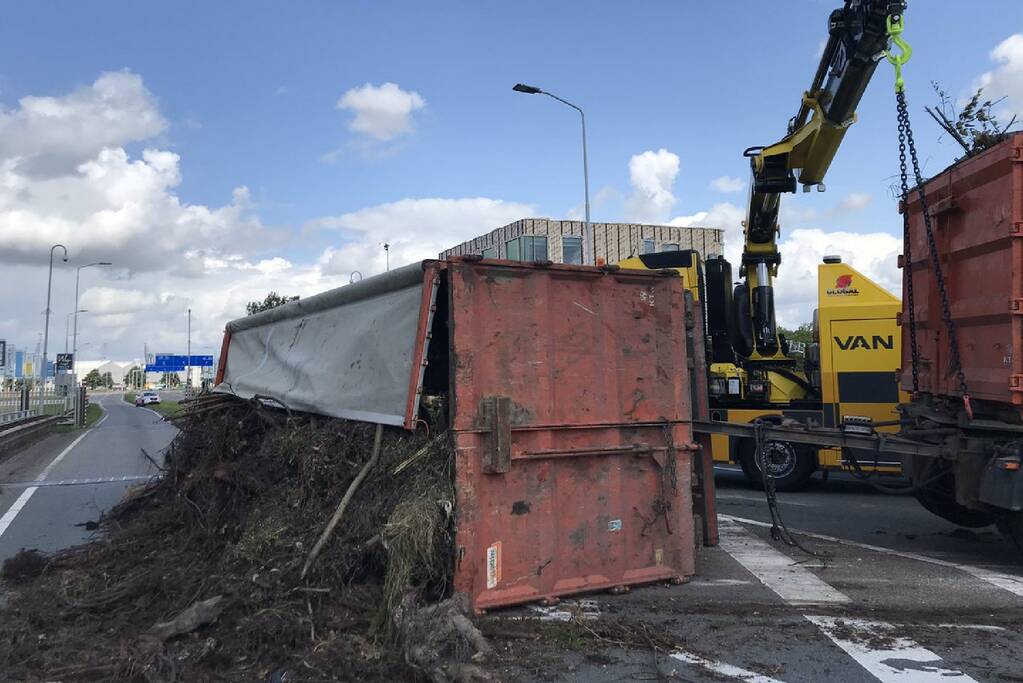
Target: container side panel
column 975, row 209
column 598, row 490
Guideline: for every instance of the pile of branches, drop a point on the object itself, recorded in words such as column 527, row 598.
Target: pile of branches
column 238, row 563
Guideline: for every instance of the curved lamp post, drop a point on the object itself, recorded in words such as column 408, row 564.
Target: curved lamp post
column 588, row 228
column 46, row 328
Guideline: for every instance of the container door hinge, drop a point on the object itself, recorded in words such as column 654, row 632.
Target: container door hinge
column 497, row 454
column 1016, row 382
column 1016, row 306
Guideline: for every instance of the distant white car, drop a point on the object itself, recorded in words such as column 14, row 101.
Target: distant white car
column 146, row 398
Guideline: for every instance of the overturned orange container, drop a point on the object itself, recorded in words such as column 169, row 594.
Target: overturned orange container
column 568, row 394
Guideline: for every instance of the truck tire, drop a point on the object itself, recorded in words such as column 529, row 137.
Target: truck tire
column 790, row 465
column 939, row 502
column 1011, row 526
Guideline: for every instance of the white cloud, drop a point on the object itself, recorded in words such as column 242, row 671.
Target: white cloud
column 652, row 176
column 1006, row 80
column 727, row 184
column 873, row 254
column 854, row 201
column 602, row 198
column 49, row 135
column 381, row 112
column 414, row 228
column 802, row 248
column 66, row 177
column 111, row 300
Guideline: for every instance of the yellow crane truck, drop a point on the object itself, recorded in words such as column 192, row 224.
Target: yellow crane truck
column 848, row 370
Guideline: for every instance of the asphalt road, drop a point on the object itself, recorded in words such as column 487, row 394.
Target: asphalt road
column 892, row 594
column 48, row 491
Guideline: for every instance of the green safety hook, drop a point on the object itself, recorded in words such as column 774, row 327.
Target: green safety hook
column 895, row 29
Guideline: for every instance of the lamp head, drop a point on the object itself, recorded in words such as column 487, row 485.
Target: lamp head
column 527, row 89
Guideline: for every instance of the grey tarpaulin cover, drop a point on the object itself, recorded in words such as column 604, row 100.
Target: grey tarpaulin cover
column 347, row 352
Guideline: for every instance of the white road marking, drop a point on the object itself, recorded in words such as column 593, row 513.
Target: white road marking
column 794, row 583
column 56, row 461
column 78, row 482
column 22, row 500
column 760, row 499
column 1009, row 582
column 568, row 610
column 13, row 511
column 889, row 658
column 730, row 670
column 719, row 582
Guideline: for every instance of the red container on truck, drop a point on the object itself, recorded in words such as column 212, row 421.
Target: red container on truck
column 976, row 210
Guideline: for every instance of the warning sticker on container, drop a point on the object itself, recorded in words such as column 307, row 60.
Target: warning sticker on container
column 614, row 525
column 658, row 556
column 494, row 565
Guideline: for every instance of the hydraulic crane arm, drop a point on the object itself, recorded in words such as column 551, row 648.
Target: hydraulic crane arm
column 857, row 38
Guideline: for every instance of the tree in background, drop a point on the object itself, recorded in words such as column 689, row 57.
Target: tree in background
column 803, row 333
column 93, row 379
column 272, row 300
column 133, row 378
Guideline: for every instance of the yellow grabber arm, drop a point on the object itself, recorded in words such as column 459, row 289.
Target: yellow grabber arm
column 857, row 39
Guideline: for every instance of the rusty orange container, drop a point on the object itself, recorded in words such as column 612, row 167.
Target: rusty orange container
column 569, row 403
column 977, row 215
column 570, row 412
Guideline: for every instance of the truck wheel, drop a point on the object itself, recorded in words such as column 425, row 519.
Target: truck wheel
column 790, row 466
column 1011, row 526
column 944, row 505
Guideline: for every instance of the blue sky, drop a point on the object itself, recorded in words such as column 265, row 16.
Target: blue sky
column 249, row 91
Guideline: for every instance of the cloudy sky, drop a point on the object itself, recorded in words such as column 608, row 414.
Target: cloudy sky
column 216, row 151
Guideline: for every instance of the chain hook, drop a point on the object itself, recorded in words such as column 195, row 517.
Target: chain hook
column 895, row 25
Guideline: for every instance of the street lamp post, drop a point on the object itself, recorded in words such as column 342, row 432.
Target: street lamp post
column 188, row 365
column 46, row 328
column 588, row 227
column 74, row 338
column 67, row 327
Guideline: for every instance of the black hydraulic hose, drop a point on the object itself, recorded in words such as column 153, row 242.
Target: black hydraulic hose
column 867, row 477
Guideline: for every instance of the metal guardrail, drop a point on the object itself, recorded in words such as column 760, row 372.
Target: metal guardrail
column 18, row 416
column 23, row 404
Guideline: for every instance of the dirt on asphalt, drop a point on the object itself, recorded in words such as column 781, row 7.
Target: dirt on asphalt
column 198, row 575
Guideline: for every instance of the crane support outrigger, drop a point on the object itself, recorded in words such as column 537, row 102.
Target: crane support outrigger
column 857, row 40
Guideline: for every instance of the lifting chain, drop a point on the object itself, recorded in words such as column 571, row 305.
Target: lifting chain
column 906, row 141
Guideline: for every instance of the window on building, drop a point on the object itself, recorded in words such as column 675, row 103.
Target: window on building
column 572, row 249
column 527, row 248
column 513, row 248
column 669, row 246
column 648, row 246
column 490, row 252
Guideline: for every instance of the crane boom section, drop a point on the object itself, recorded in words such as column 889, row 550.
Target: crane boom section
column 857, row 38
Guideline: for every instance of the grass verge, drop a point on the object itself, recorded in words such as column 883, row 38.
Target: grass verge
column 166, row 408
column 92, row 415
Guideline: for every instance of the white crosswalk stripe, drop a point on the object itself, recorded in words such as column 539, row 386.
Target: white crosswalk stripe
column 890, row 658
column 882, row 649
column 794, row 583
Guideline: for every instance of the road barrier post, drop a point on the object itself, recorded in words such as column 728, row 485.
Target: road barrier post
column 81, row 406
